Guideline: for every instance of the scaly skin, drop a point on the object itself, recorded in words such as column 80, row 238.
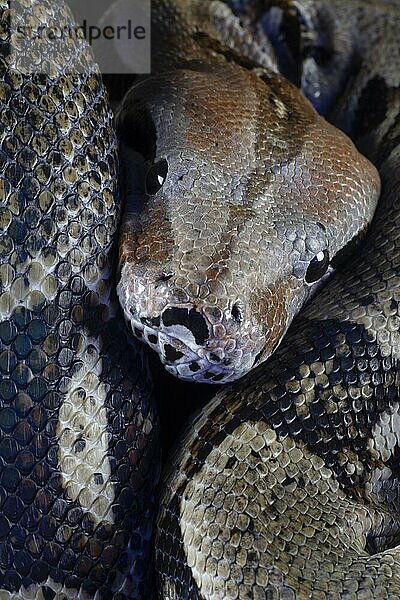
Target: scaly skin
column 287, row 484
column 213, row 266
column 78, row 431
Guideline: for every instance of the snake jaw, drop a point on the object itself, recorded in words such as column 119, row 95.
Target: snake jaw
column 193, row 343
column 180, row 354
column 196, row 341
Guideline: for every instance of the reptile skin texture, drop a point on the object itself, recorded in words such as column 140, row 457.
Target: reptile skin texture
column 286, row 485
column 237, row 196
column 78, row 430
column 213, row 266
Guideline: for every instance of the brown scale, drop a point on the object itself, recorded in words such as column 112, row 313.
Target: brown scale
column 286, row 484
column 214, row 140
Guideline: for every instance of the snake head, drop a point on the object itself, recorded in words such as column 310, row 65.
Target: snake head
column 238, row 195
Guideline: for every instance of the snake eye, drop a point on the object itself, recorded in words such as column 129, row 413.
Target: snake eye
column 156, row 176
column 317, row 267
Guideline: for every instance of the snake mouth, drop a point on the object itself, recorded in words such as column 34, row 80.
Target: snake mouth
column 188, row 362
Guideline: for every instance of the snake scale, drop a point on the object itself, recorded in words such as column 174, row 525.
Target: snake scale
column 78, row 427
column 237, row 197
column 286, row 485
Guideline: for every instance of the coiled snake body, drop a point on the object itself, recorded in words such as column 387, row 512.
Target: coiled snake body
column 78, row 430
column 286, row 485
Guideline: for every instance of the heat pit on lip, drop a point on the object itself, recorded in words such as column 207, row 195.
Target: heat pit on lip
column 151, row 337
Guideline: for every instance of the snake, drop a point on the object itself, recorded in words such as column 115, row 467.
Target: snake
column 244, row 208
column 237, row 198
column 286, row 484
column 79, row 448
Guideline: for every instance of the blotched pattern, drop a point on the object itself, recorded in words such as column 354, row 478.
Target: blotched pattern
column 287, row 484
column 78, row 431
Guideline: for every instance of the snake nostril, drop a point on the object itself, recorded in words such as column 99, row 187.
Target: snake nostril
column 237, row 311
column 191, row 319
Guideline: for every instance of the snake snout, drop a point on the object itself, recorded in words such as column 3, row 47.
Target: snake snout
column 195, row 342
column 195, row 339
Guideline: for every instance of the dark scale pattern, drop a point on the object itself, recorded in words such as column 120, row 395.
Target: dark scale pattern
column 78, row 430
column 286, row 485
column 303, row 409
